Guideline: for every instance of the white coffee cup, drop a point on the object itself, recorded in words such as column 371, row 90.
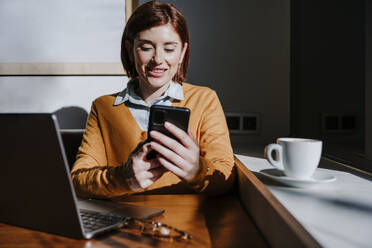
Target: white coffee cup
column 297, row 157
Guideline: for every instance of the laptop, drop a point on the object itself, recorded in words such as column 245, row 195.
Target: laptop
column 36, row 189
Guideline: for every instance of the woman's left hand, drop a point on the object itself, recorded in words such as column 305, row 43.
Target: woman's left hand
column 181, row 159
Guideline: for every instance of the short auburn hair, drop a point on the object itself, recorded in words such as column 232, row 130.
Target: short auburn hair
column 149, row 15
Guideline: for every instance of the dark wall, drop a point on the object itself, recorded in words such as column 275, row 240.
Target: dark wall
column 327, row 67
column 241, row 49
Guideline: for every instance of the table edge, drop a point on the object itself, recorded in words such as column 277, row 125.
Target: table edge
column 277, row 224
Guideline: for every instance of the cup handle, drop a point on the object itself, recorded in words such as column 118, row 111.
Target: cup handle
column 268, row 154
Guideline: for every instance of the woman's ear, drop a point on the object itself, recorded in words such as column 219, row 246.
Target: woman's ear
column 183, row 52
column 128, row 46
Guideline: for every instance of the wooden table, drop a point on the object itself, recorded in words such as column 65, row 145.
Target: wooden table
column 212, row 221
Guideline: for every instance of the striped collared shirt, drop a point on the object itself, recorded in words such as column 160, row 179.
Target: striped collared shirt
column 139, row 108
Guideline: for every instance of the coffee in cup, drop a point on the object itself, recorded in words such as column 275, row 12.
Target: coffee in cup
column 296, row 157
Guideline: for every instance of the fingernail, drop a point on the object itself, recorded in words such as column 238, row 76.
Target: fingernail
column 167, row 124
column 152, row 133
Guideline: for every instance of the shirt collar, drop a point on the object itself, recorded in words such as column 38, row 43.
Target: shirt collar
column 174, row 91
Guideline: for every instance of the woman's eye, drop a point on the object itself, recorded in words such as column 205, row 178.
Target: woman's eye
column 145, row 48
column 169, row 50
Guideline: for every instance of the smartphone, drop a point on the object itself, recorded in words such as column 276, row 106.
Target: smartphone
column 159, row 114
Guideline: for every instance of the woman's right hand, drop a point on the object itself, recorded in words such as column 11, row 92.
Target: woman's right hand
column 141, row 172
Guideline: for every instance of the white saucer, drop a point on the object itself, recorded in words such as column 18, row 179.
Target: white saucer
column 320, row 176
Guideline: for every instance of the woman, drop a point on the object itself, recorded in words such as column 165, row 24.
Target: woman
column 112, row 157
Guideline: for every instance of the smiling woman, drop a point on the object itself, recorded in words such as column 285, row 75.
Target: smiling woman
column 112, row 159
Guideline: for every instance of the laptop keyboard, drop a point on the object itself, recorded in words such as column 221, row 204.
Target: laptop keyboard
column 94, row 220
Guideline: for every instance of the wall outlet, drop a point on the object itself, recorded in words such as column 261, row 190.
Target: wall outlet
column 331, row 122
column 243, row 123
column 250, row 123
column 348, row 122
column 338, row 123
column 233, row 122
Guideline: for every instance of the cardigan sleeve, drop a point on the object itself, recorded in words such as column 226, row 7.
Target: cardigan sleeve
column 217, row 171
column 91, row 175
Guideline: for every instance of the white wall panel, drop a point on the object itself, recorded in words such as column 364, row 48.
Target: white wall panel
column 47, row 94
column 61, row 30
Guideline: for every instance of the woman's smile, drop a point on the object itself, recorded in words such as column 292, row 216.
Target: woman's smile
column 156, row 72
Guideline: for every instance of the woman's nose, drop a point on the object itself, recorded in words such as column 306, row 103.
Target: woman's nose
column 158, row 56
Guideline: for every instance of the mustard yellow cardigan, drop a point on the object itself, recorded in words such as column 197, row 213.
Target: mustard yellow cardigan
column 112, row 133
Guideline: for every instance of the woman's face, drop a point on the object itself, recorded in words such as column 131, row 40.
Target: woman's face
column 157, row 54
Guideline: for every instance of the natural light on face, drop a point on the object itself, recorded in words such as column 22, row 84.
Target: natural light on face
column 158, row 51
